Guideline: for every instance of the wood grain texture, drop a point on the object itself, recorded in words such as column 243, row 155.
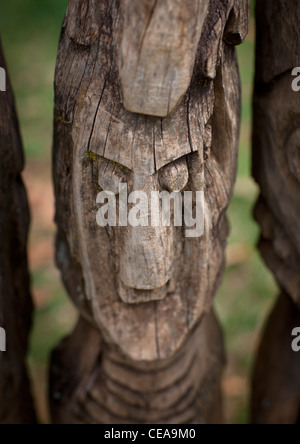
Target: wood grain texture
column 276, row 169
column 145, row 289
column 276, row 382
column 94, row 384
column 16, row 405
column 278, row 37
column 237, row 26
column 157, row 52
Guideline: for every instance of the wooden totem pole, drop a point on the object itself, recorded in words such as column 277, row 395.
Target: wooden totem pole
column 147, row 94
column 16, row 405
column 276, row 147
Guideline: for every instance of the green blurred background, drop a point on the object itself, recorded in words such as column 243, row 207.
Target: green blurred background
column 30, row 32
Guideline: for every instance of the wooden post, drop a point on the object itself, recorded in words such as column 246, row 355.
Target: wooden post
column 16, row 405
column 147, row 93
column 276, row 167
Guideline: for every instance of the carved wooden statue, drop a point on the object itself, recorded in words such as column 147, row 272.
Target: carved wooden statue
column 15, row 302
column 147, row 94
column 276, row 142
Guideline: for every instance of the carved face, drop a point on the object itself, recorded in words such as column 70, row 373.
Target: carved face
column 277, row 160
column 281, row 148
column 149, row 285
column 146, row 288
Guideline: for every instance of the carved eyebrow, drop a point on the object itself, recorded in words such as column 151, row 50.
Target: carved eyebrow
column 173, row 162
column 116, row 164
column 96, row 158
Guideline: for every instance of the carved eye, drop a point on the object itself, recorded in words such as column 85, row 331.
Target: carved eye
column 175, row 176
column 293, row 150
column 111, row 175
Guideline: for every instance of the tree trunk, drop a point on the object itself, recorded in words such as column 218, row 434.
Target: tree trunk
column 147, row 95
column 16, row 405
column 276, row 138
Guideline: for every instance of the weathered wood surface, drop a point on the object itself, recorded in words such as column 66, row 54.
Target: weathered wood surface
column 158, row 52
column 276, row 168
column 93, row 383
column 145, row 289
column 16, row 405
column 276, row 382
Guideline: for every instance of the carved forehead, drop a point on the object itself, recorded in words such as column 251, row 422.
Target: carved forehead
column 140, row 143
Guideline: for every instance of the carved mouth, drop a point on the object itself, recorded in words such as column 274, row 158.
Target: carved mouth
column 134, row 296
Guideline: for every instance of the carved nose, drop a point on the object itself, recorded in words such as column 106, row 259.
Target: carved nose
column 147, row 257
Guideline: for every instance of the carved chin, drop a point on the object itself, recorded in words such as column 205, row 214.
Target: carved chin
column 151, row 331
column 138, row 296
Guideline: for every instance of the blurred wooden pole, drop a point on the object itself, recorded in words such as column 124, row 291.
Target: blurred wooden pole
column 276, row 167
column 16, row 406
column 147, row 93
column 276, row 381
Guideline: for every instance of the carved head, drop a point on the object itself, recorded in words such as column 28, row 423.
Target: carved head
column 151, row 100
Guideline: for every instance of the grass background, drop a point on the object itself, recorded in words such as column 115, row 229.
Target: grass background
column 30, row 32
